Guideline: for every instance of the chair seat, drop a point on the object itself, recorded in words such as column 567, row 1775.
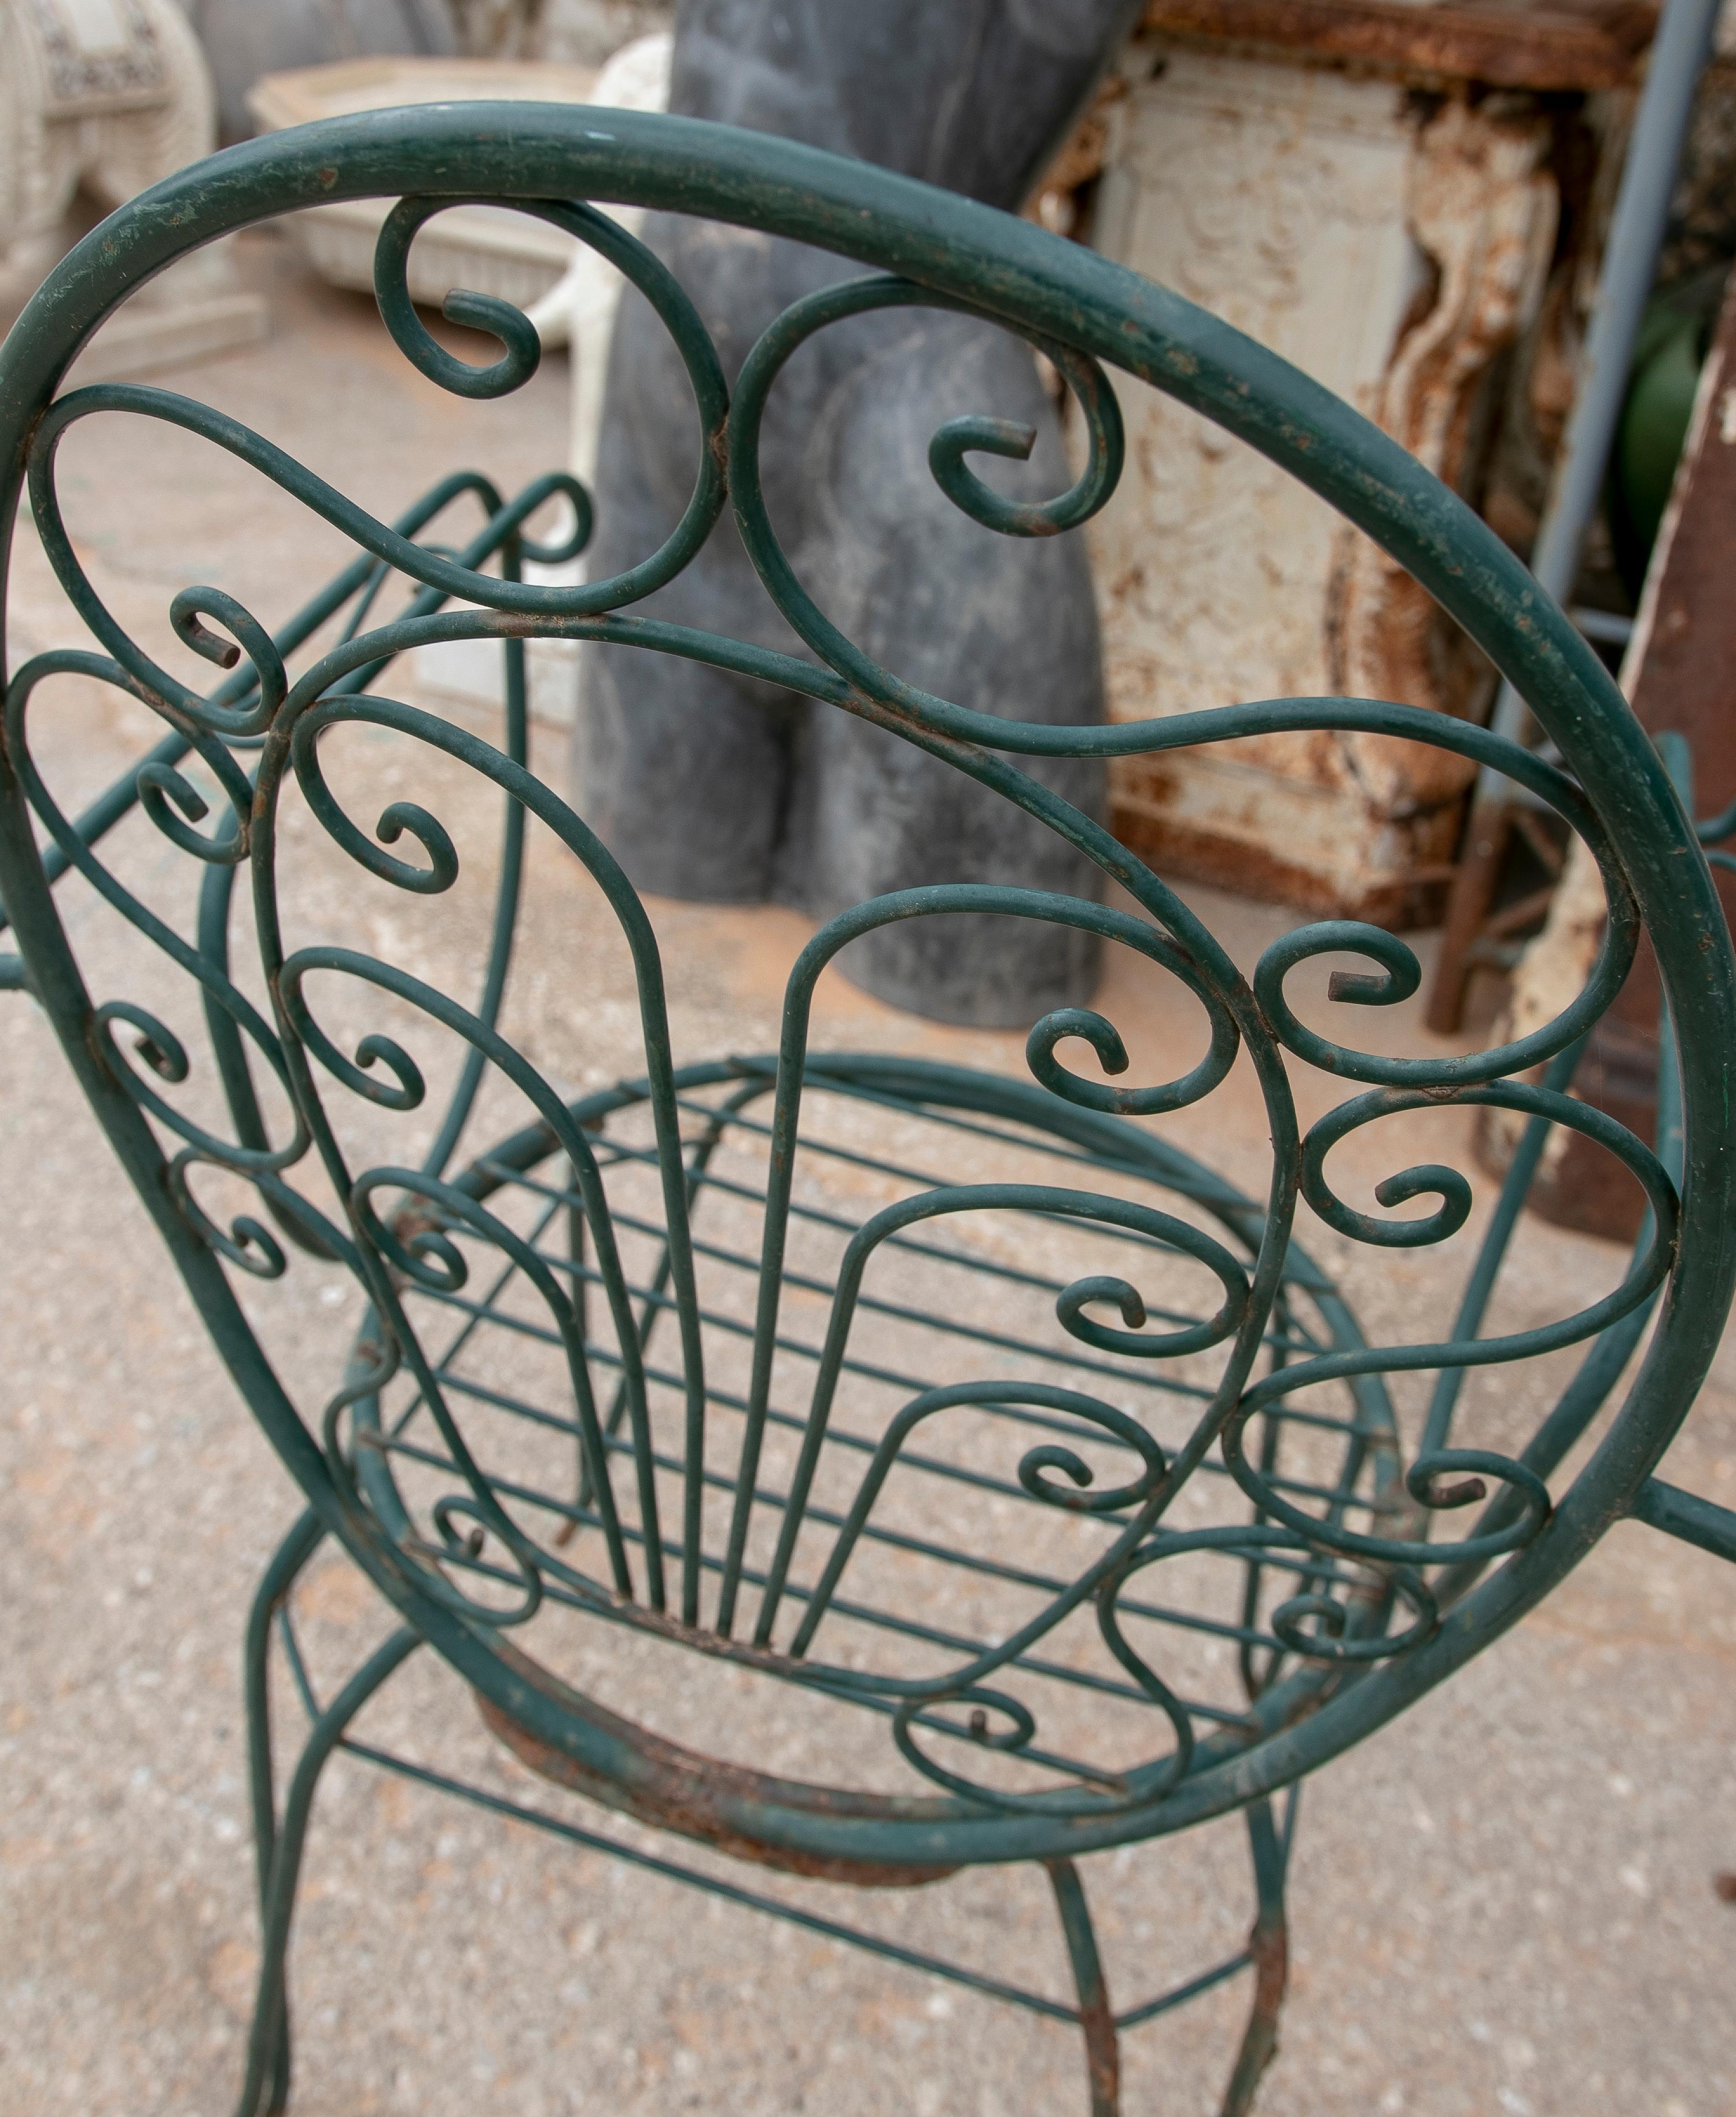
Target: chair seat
column 958, row 1544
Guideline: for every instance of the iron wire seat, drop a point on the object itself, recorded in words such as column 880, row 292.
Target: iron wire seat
column 1016, row 1486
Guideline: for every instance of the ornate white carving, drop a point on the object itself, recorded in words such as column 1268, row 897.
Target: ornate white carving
column 108, row 97
column 1481, row 205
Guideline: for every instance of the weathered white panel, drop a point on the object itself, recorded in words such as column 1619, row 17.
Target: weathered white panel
column 1390, row 250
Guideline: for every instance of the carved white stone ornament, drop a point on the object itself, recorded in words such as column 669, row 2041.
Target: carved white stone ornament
column 104, row 97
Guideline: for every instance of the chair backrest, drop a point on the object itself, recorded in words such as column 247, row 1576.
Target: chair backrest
column 674, row 1244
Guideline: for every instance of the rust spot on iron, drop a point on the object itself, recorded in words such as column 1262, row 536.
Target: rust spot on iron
column 1103, row 2054
column 417, row 1218
column 674, row 1788
column 1268, row 1949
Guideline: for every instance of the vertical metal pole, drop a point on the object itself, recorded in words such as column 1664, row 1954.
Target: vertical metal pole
column 1678, row 54
column 1269, row 1946
column 1096, row 2016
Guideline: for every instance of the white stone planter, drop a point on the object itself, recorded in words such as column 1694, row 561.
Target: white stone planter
column 570, row 293
column 485, row 249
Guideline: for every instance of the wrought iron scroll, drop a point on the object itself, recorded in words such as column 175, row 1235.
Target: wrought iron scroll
column 1362, row 1599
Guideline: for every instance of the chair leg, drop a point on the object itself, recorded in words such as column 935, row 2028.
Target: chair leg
column 265, row 2092
column 1096, row 2017
column 1268, row 1943
column 280, row 1577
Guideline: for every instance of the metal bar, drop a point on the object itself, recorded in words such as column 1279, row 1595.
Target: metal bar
column 299, row 1674
column 860, row 1612
column 943, row 1326
column 1604, row 626
column 268, row 2056
column 1028, row 1142
column 1096, row 2016
column 507, row 893
column 1268, row 1949
column 993, row 1988
column 1224, row 1205
column 1679, row 52
column 268, row 1598
column 1687, row 1515
column 898, row 1539
column 1015, row 1414
column 947, row 1326
column 1178, row 1995
column 925, row 1178
column 1316, row 1569
column 1301, row 1341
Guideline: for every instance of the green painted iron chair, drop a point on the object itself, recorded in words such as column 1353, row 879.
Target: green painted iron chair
column 883, row 1390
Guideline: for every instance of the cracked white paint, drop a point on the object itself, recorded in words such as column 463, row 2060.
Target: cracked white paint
column 1391, row 254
